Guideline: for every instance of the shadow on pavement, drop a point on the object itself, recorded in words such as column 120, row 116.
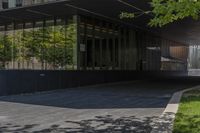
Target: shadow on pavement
column 143, row 94
column 100, row 124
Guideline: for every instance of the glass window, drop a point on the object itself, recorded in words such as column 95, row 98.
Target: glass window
column 5, row 4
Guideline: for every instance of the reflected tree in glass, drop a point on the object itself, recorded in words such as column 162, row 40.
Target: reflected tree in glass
column 7, row 50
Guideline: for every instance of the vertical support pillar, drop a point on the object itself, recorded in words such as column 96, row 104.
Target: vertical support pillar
column 122, row 49
column 107, row 47
column 23, row 45
column 76, row 48
column 85, row 41
column 138, row 48
column 65, row 50
column 119, row 48
column 134, row 50
column 13, row 45
column 138, row 45
column 187, row 60
column 43, row 41
column 4, row 50
column 54, row 42
column 125, row 48
column 93, row 44
column 130, row 50
column 33, row 63
column 144, row 52
column 113, row 47
column 101, row 43
column 147, row 53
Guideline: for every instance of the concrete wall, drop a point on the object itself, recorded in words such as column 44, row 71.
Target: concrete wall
column 17, row 82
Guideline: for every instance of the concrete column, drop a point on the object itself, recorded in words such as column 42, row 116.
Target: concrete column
column 132, row 51
column 113, row 52
column 93, row 44
column 119, row 48
column 85, row 43
column 4, row 50
column 125, row 50
column 65, row 52
column 43, row 50
column 13, row 44
column 33, row 63
column 101, row 48
column 107, row 47
column 76, row 48
column 54, row 45
column 23, row 34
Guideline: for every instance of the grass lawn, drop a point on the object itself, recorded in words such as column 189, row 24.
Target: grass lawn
column 188, row 117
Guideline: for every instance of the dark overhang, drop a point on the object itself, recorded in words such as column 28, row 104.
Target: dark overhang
column 35, row 12
column 109, row 9
column 186, row 31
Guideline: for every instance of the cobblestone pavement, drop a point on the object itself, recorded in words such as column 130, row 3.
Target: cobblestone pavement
column 124, row 107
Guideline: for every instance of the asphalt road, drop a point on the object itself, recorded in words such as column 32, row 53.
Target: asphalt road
column 123, row 107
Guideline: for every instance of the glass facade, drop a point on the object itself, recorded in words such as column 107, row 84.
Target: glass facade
column 106, row 46
column 149, row 52
column 86, row 43
column 194, row 57
column 175, row 56
column 42, row 45
column 156, row 53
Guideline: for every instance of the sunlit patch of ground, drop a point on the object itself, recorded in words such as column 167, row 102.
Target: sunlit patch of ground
column 188, row 117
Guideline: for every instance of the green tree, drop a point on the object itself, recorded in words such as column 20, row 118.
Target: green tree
column 40, row 42
column 19, row 43
column 59, row 45
column 167, row 11
column 53, row 45
column 7, row 50
column 31, row 47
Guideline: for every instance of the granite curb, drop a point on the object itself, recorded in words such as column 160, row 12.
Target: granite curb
column 164, row 124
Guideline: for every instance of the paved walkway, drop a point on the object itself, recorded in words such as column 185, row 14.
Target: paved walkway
column 126, row 107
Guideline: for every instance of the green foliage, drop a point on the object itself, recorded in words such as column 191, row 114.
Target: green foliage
column 58, row 46
column 188, row 116
column 167, row 11
column 52, row 45
column 7, row 50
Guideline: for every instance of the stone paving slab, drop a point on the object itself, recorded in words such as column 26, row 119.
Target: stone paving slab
column 125, row 107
